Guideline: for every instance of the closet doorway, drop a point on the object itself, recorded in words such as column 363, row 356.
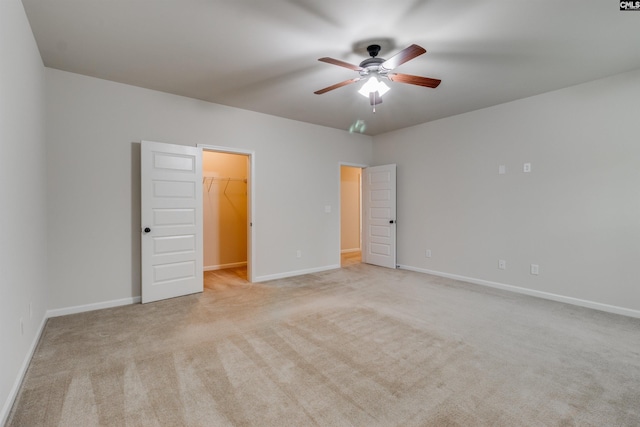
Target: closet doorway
column 227, row 234
column 350, row 215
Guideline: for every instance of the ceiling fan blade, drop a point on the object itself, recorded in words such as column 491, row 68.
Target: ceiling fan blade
column 414, row 80
column 403, row 56
column 336, row 86
column 340, row 63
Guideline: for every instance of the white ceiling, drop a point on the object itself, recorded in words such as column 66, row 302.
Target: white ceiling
column 261, row 55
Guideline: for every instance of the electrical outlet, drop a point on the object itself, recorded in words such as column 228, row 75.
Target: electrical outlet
column 502, row 264
column 502, row 169
column 535, row 269
column 298, row 253
column 428, row 253
column 526, row 168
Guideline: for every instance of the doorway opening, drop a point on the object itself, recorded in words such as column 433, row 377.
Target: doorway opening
column 350, row 215
column 226, row 191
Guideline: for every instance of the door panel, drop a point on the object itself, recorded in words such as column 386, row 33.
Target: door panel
column 379, row 211
column 171, row 197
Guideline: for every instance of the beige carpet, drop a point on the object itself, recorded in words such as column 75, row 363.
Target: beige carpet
column 359, row 346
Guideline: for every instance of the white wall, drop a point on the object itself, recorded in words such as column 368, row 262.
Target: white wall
column 576, row 215
column 94, row 127
column 23, row 258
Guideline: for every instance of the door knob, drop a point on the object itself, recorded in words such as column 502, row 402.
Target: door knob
column 391, row 222
column 147, row 229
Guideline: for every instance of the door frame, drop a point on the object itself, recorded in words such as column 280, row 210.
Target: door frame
column 352, row 165
column 250, row 198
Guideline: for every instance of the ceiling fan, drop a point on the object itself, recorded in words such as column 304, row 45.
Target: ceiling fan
column 381, row 67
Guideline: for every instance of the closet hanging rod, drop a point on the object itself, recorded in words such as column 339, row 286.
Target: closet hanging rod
column 223, row 179
column 226, row 180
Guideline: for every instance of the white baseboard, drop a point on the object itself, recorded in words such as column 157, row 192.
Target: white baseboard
column 8, row 404
column 223, row 266
column 90, row 307
column 532, row 292
column 348, row 251
column 295, row 273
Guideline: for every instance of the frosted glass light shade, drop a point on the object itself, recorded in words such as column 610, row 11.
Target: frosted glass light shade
column 373, row 85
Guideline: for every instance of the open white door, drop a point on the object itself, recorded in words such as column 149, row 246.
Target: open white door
column 171, row 197
column 379, row 215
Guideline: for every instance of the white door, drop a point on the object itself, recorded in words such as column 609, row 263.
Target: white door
column 171, row 194
column 379, row 211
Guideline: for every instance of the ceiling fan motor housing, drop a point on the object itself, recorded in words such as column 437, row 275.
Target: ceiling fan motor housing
column 373, row 64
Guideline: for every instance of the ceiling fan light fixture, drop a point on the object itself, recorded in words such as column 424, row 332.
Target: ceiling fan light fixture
column 373, row 85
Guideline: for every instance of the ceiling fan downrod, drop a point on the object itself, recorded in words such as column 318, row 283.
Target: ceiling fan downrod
column 374, row 50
